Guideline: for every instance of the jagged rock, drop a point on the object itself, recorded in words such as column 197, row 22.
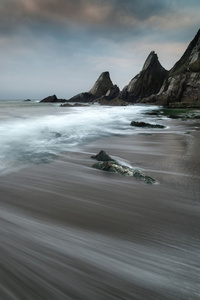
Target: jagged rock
column 53, row 98
column 82, row 97
column 106, row 163
column 146, row 125
column 102, row 86
column 182, row 85
column 102, row 156
column 147, row 82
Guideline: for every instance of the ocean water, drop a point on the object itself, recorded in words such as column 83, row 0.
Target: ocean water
column 32, row 132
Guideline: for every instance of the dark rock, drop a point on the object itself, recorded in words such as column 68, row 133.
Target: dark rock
column 113, row 102
column 73, row 105
column 102, row 156
column 181, row 88
column 82, row 97
column 106, row 163
column 113, row 92
column 53, row 99
column 147, row 82
column 146, row 125
column 102, row 85
column 27, row 100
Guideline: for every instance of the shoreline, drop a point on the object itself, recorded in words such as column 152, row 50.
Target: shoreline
column 106, row 234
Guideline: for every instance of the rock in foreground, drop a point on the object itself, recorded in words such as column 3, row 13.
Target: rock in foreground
column 146, row 125
column 106, row 163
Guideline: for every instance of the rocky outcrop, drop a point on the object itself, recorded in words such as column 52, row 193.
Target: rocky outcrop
column 102, row 87
column 147, row 82
column 82, row 97
column 182, row 85
column 53, row 99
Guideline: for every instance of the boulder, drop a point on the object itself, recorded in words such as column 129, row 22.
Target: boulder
column 106, row 163
column 102, row 156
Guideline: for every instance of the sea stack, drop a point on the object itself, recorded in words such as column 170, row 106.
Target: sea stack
column 101, row 87
column 147, row 82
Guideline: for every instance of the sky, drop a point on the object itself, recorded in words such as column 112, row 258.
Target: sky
column 62, row 46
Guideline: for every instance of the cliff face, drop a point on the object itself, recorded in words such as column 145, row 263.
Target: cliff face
column 182, row 85
column 147, row 82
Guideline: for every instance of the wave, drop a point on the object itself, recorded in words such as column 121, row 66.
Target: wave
column 37, row 134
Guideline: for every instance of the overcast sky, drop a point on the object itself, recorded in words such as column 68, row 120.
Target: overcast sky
column 62, row 46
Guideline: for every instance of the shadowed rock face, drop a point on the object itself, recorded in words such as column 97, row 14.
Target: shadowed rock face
column 53, row 99
column 182, row 85
column 102, row 87
column 147, row 82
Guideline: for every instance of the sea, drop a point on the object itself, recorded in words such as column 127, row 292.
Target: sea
column 33, row 132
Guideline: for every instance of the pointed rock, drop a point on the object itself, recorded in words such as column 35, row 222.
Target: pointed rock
column 147, row 82
column 102, row 85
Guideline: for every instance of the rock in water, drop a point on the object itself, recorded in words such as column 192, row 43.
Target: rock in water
column 102, row 85
column 106, row 163
column 53, row 99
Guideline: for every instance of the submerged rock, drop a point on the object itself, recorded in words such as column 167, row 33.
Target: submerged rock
column 146, row 125
column 106, row 163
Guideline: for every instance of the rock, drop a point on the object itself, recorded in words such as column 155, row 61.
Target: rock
column 112, row 93
column 102, row 85
column 181, row 87
column 106, row 163
column 113, row 102
column 147, row 82
column 146, row 125
column 73, row 105
column 27, row 100
column 82, row 97
column 102, row 156
column 53, row 99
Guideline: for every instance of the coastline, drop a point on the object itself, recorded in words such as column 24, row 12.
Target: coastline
column 144, row 238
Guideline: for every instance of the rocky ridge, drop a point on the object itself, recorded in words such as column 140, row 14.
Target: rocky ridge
column 177, row 87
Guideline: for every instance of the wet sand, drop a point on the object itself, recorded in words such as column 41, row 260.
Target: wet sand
column 69, row 231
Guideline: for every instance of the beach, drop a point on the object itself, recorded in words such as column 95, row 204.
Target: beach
column 69, row 231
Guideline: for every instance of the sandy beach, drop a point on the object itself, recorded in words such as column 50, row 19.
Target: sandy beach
column 69, row 231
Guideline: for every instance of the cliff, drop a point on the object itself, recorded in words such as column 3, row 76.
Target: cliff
column 182, row 85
